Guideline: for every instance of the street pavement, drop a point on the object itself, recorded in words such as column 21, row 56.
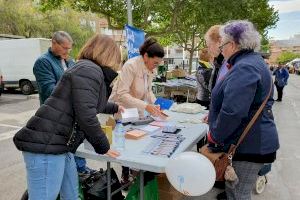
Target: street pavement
column 283, row 180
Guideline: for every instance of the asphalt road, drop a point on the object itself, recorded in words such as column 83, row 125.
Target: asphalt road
column 283, row 180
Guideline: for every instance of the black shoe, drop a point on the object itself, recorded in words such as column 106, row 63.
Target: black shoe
column 278, row 100
column 222, row 196
column 124, row 181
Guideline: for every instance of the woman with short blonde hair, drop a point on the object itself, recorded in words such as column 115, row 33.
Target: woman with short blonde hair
column 213, row 41
column 103, row 50
column 212, row 36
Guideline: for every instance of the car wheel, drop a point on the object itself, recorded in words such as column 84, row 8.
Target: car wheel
column 26, row 87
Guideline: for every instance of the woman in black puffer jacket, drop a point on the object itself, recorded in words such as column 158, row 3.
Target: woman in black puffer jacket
column 48, row 140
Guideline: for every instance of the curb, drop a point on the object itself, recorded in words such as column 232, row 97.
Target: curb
column 33, row 96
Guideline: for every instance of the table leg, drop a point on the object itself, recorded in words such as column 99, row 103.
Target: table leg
column 141, row 185
column 108, row 174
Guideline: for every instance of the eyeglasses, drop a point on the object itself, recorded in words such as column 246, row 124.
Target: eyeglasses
column 65, row 48
column 222, row 46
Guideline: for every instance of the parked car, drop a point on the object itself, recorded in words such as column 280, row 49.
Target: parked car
column 294, row 66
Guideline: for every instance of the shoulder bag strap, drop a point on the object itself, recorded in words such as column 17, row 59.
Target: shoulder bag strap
column 248, row 127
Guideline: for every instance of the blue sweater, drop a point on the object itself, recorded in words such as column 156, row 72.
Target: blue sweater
column 48, row 70
column 235, row 100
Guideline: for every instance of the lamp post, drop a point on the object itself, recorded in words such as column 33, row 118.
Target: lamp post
column 129, row 12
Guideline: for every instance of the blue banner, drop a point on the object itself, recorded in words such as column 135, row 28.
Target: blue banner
column 135, row 38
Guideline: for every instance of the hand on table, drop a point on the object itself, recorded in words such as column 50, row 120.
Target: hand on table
column 112, row 153
column 121, row 109
column 155, row 111
column 205, row 119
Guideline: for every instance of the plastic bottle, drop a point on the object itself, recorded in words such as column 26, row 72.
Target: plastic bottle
column 119, row 137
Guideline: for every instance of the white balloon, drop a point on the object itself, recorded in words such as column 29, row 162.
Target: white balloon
column 191, row 173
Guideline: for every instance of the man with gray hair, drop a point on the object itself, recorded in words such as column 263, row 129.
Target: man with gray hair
column 49, row 68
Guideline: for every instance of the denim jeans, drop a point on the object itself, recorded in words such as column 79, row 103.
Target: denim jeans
column 80, row 164
column 49, row 175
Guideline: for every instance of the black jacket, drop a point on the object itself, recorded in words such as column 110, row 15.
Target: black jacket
column 218, row 61
column 79, row 96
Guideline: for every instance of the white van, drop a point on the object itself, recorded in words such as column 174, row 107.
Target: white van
column 17, row 57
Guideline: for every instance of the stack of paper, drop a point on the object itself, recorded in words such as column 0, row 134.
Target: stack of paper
column 158, row 123
column 130, row 115
column 135, row 134
column 150, row 129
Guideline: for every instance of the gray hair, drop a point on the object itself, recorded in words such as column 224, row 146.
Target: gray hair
column 243, row 33
column 60, row 36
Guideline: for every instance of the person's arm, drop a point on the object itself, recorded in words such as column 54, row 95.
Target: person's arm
column 44, row 76
column 239, row 94
column 286, row 76
column 86, row 84
column 124, row 83
column 152, row 97
column 111, row 108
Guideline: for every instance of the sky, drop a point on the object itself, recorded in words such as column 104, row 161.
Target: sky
column 289, row 19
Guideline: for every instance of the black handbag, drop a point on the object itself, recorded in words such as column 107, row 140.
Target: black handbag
column 94, row 185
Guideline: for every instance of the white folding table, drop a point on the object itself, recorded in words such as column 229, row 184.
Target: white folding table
column 132, row 156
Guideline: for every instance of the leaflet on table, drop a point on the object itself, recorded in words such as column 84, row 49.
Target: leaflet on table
column 163, row 145
column 130, row 115
column 169, row 127
column 150, row 129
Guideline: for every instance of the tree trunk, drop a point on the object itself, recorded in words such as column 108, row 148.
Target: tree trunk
column 191, row 61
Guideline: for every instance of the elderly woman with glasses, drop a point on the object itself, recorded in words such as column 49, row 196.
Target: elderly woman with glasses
column 234, row 102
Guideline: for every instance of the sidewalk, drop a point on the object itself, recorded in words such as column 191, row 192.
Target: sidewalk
column 33, row 96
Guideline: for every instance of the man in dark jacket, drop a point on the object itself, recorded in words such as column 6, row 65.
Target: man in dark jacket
column 281, row 77
column 48, row 70
column 49, row 67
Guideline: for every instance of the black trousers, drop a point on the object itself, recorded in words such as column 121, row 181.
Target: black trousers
column 279, row 92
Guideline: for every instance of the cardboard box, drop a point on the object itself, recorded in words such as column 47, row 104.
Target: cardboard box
column 178, row 73
column 108, row 132
column 169, row 75
column 166, row 190
column 111, row 122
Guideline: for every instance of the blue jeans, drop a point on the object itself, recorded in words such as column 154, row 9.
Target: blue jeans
column 80, row 164
column 49, row 175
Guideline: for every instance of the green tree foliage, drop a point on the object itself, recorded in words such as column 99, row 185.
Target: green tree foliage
column 26, row 19
column 181, row 21
column 198, row 15
column 152, row 16
column 287, row 56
